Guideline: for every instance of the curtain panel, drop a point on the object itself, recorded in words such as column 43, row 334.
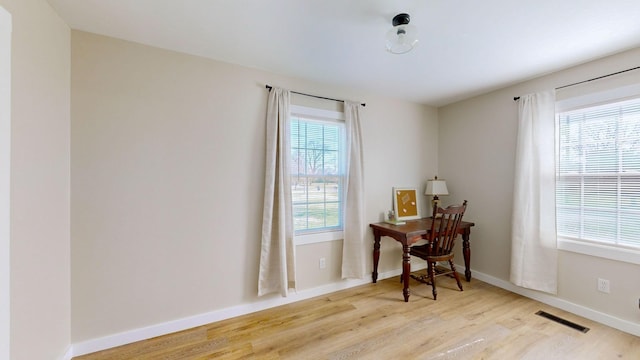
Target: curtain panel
column 277, row 255
column 353, row 257
column 534, row 256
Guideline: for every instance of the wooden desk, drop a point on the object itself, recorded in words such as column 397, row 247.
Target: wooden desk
column 409, row 234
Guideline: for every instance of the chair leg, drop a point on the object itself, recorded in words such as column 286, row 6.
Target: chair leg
column 432, row 275
column 455, row 274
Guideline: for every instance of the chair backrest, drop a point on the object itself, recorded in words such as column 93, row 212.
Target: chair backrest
column 444, row 228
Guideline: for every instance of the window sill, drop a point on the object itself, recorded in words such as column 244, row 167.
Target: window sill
column 602, row 251
column 319, row 237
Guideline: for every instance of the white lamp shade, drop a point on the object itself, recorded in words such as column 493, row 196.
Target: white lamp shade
column 436, row 187
column 401, row 39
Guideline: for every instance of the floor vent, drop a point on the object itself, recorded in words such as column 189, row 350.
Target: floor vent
column 563, row 321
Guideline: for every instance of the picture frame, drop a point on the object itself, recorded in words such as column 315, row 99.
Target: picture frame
column 405, row 203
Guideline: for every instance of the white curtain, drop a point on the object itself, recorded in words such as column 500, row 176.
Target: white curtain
column 354, row 224
column 277, row 257
column 534, row 257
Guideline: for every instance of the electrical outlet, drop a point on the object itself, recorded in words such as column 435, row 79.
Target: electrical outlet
column 603, row 285
column 322, row 263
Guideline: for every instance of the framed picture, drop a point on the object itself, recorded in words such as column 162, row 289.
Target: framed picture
column 405, row 203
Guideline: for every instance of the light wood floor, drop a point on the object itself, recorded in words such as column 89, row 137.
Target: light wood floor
column 372, row 322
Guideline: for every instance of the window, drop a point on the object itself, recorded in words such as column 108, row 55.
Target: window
column 598, row 176
column 317, row 170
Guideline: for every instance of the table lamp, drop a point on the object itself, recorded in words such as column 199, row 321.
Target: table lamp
column 436, row 187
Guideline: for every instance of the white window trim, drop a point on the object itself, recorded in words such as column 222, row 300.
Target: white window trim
column 316, row 113
column 598, row 250
column 616, row 253
column 317, row 237
column 598, row 98
column 311, row 237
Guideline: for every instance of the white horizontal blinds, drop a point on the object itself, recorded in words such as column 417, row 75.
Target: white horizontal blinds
column 598, row 174
column 317, row 174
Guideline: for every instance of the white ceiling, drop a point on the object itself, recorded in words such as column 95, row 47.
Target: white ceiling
column 466, row 47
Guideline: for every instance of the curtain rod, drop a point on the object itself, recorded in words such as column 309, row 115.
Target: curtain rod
column 315, row 96
column 586, row 81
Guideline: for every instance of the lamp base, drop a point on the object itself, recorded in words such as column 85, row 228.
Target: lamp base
column 435, row 203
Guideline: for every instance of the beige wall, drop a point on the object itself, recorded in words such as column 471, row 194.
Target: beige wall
column 477, row 155
column 40, row 246
column 5, row 171
column 167, row 182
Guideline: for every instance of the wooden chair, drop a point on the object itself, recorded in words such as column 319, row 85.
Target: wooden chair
column 441, row 238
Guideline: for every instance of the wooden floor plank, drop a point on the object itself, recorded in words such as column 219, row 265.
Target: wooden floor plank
column 373, row 322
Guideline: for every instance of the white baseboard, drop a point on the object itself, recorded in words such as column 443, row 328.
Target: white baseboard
column 606, row 319
column 68, row 355
column 131, row 336
column 127, row 337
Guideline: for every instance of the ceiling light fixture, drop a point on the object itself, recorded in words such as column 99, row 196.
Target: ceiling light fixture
column 402, row 38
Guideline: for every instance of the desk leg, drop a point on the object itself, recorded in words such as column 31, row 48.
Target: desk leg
column 466, row 251
column 406, row 271
column 376, row 255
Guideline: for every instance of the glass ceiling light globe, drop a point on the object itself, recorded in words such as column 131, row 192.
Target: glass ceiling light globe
column 402, row 37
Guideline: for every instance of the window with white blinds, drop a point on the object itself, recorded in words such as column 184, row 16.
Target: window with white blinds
column 317, row 170
column 598, row 174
